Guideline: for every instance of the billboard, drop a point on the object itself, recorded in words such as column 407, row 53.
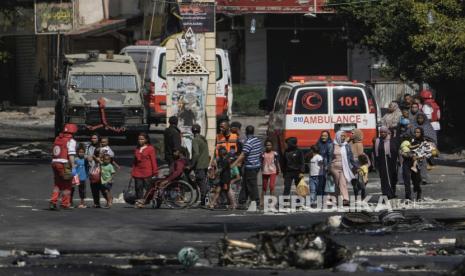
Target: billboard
column 271, row 6
column 199, row 17
column 52, row 17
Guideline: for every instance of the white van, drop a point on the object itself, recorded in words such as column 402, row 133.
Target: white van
column 306, row 105
column 155, row 80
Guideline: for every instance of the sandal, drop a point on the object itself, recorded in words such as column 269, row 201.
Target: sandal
column 82, row 206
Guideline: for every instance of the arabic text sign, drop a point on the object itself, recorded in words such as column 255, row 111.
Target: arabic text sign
column 53, row 17
column 201, row 18
column 270, row 6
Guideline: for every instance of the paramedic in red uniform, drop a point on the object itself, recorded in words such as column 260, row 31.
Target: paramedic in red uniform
column 64, row 151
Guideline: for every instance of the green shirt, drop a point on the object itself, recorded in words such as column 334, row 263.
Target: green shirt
column 106, row 173
column 234, row 172
column 200, row 157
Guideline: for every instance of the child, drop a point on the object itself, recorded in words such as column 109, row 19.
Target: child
column 235, row 180
column 362, row 173
column 223, row 175
column 270, row 169
column 317, row 183
column 105, row 149
column 404, row 122
column 419, row 152
column 107, row 172
column 82, row 170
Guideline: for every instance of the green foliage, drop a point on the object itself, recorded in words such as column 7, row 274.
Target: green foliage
column 247, row 98
column 422, row 40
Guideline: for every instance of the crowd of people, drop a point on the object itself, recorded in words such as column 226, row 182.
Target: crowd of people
column 402, row 153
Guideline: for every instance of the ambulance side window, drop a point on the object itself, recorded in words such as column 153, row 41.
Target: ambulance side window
column 348, row 101
column 312, row 101
column 281, row 100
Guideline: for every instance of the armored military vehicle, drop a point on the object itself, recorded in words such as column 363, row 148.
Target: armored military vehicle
column 101, row 93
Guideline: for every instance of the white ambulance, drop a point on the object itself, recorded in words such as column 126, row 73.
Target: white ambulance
column 157, row 85
column 306, row 105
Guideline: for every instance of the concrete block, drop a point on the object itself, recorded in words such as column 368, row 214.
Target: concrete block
column 210, row 65
column 211, row 120
column 210, row 55
column 211, row 90
column 210, row 43
column 211, row 100
column 211, row 110
column 210, row 35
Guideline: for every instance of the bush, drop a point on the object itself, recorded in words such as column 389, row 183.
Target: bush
column 247, row 98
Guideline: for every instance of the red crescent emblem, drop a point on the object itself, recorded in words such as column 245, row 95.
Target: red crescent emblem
column 312, row 100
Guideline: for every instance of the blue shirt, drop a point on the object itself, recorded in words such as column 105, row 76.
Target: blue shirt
column 82, row 169
column 253, row 150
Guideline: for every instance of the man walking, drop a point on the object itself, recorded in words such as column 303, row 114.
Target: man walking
column 200, row 161
column 227, row 139
column 64, row 151
column 251, row 155
column 172, row 139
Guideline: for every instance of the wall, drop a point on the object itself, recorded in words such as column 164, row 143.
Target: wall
column 359, row 64
column 206, row 44
column 124, row 8
column 90, row 11
column 255, row 55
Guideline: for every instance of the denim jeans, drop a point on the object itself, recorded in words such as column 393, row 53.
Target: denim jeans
column 317, row 186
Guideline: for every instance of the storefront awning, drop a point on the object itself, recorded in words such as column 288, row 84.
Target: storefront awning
column 100, row 28
column 271, row 6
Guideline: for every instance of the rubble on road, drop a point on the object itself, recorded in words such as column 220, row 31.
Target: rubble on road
column 290, row 247
column 384, row 223
column 30, row 150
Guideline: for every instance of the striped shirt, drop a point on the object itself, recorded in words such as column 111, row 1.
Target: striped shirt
column 253, row 151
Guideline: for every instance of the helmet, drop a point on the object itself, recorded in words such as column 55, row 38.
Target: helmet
column 426, row 94
column 70, row 128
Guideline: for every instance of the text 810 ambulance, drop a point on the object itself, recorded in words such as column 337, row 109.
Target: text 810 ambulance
column 307, row 105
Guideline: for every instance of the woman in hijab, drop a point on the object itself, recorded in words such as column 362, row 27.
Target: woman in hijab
column 392, row 118
column 341, row 165
column 356, row 143
column 423, row 122
column 429, row 134
column 325, row 144
column 386, row 152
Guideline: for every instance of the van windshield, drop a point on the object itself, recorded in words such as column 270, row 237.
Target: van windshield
column 97, row 83
column 347, row 100
column 311, row 101
column 139, row 59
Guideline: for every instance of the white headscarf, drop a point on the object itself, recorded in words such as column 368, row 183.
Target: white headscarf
column 338, row 140
column 348, row 174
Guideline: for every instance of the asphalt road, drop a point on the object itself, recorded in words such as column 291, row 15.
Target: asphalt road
column 110, row 238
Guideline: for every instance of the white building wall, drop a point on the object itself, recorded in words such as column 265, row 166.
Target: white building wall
column 90, row 12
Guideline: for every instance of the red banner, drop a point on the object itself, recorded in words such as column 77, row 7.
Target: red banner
column 271, row 6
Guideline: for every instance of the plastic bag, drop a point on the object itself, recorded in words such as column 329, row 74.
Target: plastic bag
column 94, row 175
column 302, row 188
column 76, row 181
column 330, row 187
column 129, row 194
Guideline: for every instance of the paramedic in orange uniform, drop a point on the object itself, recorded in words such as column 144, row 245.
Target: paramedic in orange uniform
column 227, row 139
column 64, row 151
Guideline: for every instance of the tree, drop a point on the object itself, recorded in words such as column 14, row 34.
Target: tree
column 421, row 40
